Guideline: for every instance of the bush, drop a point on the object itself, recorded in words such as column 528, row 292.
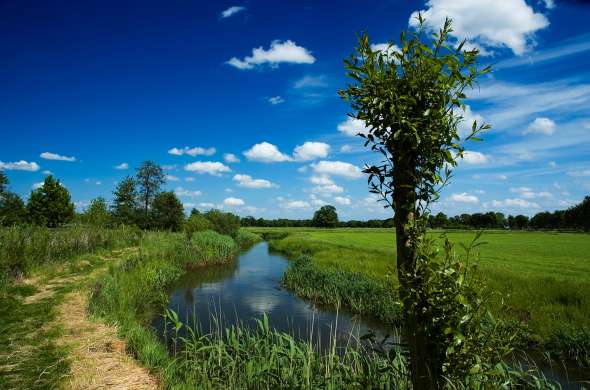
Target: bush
column 196, row 223
column 223, row 223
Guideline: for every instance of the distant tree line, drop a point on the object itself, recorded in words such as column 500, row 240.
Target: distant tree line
column 137, row 200
column 574, row 218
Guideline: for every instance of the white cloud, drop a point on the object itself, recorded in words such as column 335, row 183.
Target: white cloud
column 21, row 165
column 265, row 152
column 315, row 201
column 550, row 4
column 295, row 204
column 311, row 151
column 180, row 191
column 345, row 149
column 342, row 200
column 464, row 197
column 324, row 185
column 279, row 51
column 337, row 168
column 386, row 48
column 541, row 126
column 352, row 126
column 56, row 157
column 231, row 158
column 37, row 185
column 528, row 193
column 211, row 167
column 207, row 205
column 274, row 100
column 248, row 182
column 92, row 181
column 466, row 125
column 582, row 173
column 189, row 179
column 475, row 158
column 488, row 23
column 515, row 203
column 172, row 178
column 47, row 172
column 233, row 202
column 122, row 166
column 308, row 81
column 232, row 11
column 196, row 151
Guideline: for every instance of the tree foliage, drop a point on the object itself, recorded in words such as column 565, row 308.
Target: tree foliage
column 50, row 205
column 124, row 207
column 12, row 207
column 223, row 223
column 98, row 213
column 167, row 212
column 325, row 217
column 150, row 178
column 411, row 101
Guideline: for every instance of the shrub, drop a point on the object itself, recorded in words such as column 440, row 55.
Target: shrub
column 196, row 223
column 223, row 223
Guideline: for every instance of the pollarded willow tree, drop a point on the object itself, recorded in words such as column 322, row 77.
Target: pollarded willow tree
column 411, row 101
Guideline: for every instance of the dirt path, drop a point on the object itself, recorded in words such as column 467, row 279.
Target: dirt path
column 96, row 358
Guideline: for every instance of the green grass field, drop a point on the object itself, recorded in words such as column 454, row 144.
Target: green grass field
column 545, row 276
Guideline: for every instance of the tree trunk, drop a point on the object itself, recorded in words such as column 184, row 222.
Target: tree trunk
column 422, row 364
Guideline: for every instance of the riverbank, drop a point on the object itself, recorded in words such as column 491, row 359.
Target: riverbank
column 544, row 278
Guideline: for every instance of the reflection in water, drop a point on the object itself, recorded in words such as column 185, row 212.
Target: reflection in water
column 250, row 286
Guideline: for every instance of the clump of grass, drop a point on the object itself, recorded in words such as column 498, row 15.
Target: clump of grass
column 359, row 293
column 210, row 247
column 24, row 248
column 246, row 239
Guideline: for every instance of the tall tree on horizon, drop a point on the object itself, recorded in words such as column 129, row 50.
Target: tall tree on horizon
column 150, row 178
column 50, row 205
column 411, row 101
column 124, row 207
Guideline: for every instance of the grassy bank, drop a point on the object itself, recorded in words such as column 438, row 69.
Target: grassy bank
column 544, row 276
column 40, row 267
column 24, row 249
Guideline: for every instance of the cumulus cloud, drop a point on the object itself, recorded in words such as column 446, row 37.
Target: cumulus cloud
column 21, row 165
column 231, row 158
column 342, row 200
column 466, row 125
column 528, row 193
column 56, row 157
column 311, row 151
column 122, row 166
column 196, row 151
column 324, row 185
column 180, row 191
column 211, row 167
column 248, row 182
column 475, row 158
column 37, row 185
column 232, row 11
column 541, row 126
column 172, row 178
column 386, row 48
column 266, row 152
column 345, row 149
column 352, row 126
column 233, row 201
column 337, row 168
column 279, row 52
column 274, row 100
column 515, row 203
column 464, row 197
column 295, row 204
column 487, row 23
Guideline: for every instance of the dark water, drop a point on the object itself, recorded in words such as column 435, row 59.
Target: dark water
column 250, row 287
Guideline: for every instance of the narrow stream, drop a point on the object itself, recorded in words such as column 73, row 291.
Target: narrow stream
column 250, row 286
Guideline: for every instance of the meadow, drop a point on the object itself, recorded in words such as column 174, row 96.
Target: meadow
column 543, row 277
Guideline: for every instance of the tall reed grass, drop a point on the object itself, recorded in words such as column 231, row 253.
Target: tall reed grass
column 23, row 248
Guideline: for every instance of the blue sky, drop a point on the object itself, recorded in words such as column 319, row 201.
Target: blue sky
column 238, row 101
